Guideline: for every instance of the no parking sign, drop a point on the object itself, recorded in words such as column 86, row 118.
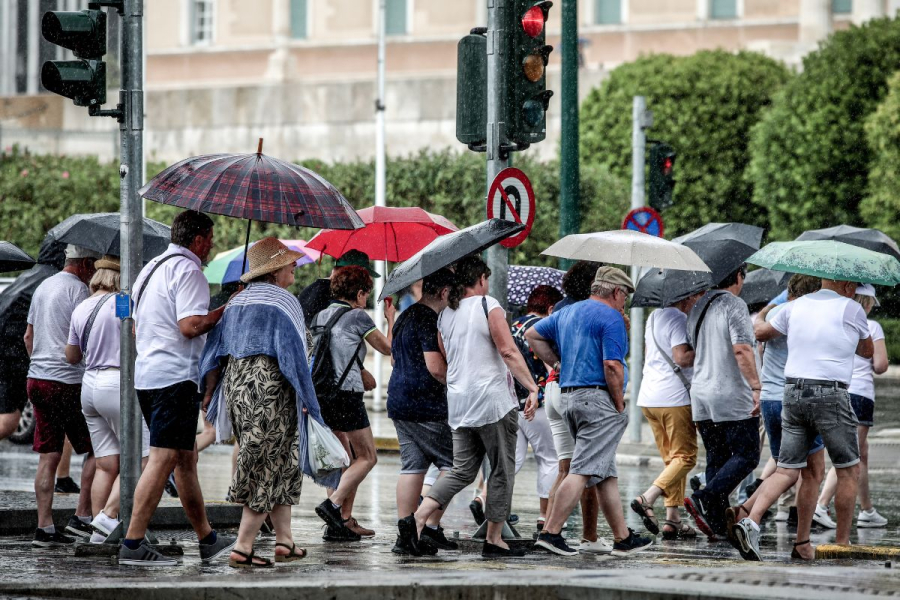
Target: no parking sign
column 644, row 220
column 512, row 198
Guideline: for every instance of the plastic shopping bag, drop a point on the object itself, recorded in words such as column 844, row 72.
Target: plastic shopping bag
column 326, row 453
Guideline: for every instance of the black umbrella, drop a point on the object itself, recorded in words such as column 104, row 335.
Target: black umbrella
column 723, row 246
column 12, row 258
column 664, row 287
column 762, row 285
column 446, row 250
column 870, row 239
column 100, row 232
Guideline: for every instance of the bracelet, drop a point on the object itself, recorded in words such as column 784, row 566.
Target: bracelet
column 755, row 389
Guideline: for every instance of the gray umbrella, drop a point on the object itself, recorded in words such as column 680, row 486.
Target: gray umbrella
column 12, row 258
column 870, row 239
column 762, row 285
column 100, row 232
column 723, row 246
column 664, row 287
column 446, row 250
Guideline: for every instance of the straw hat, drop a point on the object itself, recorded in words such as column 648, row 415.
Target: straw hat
column 108, row 262
column 267, row 256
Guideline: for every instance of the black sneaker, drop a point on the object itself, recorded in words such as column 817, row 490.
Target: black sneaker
column 171, row 488
column 477, row 511
column 79, row 528
column 491, row 551
column 409, row 535
column 223, row 544
column 402, row 548
column 436, row 538
column 144, row 556
column 695, row 483
column 42, row 539
column 555, row 543
column 513, row 519
column 695, row 508
column 330, row 514
column 792, row 517
column 751, row 489
column 339, row 534
column 66, row 485
column 633, row 543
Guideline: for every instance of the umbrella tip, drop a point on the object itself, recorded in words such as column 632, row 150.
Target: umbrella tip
column 259, row 148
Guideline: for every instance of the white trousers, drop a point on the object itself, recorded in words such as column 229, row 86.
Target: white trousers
column 537, row 433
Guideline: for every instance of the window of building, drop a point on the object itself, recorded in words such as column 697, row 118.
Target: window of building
column 298, row 19
column 395, row 17
column 607, row 12
column 202, row 21
column 842, row 7
column 723, row 9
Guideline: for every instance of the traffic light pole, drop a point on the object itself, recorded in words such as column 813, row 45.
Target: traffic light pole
column 569, row 176
column 380, row 200
column 497, row 159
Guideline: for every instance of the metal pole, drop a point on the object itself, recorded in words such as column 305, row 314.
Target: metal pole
column 569, row 175
column 132, row 129
column 638, row 146
column 497, row 255
column 379, row 198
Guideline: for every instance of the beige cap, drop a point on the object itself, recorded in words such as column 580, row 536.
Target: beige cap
column 614, row 276
column 108, row 262
column 267, row 256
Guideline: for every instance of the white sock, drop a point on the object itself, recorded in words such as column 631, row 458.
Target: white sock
column 433, row 527
column 871, row 511
column 755, row 526
column 97, row 538
column 86, row 520
column 822, row 508
column 48, row 529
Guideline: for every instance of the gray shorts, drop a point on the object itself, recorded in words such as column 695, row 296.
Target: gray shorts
column 597, row 428
column 424, row 444
column 817, row 410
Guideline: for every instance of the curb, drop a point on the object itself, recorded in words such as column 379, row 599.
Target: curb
column 838, row 551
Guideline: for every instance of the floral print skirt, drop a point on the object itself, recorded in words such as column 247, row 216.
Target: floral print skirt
column 263, row 410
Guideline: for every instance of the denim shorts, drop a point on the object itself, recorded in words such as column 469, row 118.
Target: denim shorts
column 771, row 414
column 817, row 410
column 864, row 409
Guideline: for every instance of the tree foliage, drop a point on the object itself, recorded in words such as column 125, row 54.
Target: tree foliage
column 882, row 204
column 704, row 105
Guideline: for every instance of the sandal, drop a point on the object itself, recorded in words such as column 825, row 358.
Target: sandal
column 680, row 531
column 248, row 563
column 797, row 555
column 732, row 516
column 292, row 555
column 640, row 506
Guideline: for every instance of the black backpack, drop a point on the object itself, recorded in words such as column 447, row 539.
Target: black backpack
column 324, row 374
column 535, row 365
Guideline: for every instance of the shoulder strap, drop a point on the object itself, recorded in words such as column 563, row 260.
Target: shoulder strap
column 137, row 296
column 678, row 372
column 90, row 322
column 329, row 326
column 703, row 315
column 484, row 306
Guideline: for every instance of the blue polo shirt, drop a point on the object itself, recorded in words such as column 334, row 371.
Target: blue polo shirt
column 587, row 333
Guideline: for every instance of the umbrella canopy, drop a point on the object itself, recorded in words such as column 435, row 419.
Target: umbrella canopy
column 625, row 247
column 255, row 187
column 830, row 260
column 724, row 247
column 391, row 233
column 762, row 285
column 446, row 250
column 13, row 258
column 664, row 287
column 100, row 232
column 227, row 266
column 523, row 280
column 871, row 239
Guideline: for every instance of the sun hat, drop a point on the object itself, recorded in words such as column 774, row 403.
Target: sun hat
column 108, row 262
column 357, row 258
column 74, row 252
column 867, row 289
column 614, row 276
column 267, row 256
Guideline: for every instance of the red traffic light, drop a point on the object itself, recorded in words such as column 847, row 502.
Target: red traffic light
column 667, row 165
column 533, row 21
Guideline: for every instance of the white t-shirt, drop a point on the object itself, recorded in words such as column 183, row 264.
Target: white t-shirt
column 660, row 386
column 479, row 385
column 176, row 291
column 49, row 315
column 823, row 330
column 863, row 382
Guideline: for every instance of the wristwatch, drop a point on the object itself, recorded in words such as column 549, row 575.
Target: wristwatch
column 556, row 366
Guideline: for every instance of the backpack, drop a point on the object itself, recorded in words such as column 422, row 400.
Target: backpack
column 535, row 365
column 324, row 374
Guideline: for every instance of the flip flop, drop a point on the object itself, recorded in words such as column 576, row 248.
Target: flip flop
column 640, row 506
column 290, row 556
column 248, row 563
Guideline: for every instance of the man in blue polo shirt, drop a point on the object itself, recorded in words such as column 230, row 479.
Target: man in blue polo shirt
column 592, row 338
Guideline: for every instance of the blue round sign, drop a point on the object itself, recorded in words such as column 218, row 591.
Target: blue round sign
column 644, row 220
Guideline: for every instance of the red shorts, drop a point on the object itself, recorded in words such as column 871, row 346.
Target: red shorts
column 57, row 415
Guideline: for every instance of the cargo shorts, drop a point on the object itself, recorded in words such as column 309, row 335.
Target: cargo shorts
column 812, row 410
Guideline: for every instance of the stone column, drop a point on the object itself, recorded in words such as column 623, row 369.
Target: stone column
column 815, row 20
column 866, row 10
column 8, row 47
column 280, row 64
column 34, row 40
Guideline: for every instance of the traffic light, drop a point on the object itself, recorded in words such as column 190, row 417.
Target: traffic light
column 471, row 89
column 526, row 80
column 662, row 165
column 84, row 33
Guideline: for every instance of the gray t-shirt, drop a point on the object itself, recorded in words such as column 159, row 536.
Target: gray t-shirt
column 346, row 336
column 774, row 358
column 49, row 314
column 719, row 391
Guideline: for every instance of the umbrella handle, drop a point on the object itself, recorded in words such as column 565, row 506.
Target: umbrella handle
column 259, row 148
column 247, row 240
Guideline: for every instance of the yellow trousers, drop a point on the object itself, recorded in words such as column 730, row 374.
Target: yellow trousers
column 676, row 439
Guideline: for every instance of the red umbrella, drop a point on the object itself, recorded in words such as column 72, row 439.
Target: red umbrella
column 391, row 234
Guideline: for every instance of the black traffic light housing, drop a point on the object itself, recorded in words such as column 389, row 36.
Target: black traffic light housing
column 471, row 90
column 527, row 96
column 662, row 181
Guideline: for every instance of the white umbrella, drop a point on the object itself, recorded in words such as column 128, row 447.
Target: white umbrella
column 626, row 247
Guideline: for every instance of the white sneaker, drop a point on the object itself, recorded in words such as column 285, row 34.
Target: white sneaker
column 782, row 516
column 870, row 518
column 104, row 524
column 601, row 546
column 822, row 517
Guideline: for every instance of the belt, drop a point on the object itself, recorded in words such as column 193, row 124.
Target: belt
column 819, row 382
column 566, row 390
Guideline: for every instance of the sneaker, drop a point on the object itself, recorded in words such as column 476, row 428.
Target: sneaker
column 353, row 525
column 78, row 528
column 331, row 514
column 42, row 539
column 103, row 524
column 402, row 548
column 870, row 518
column 408, row 535
column 144, row 556
column 601, row 546
column 222, row 545
column 171, row 488
column 66, row 485
column 98, row 538
column 751, row 489
column 782, row 516
column 339, row 534
column 695, row 508
column 491, row 551
column 436, row 538
column 695, row 483
column 748, row 539
column 633, row 543
column 793, row 518
column 477, row 511
column 822, row 518
column 555, row 543
column 513, row 519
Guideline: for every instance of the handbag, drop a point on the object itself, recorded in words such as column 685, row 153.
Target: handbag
column 326, row 453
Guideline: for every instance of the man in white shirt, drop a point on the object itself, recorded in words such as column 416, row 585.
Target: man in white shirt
column 171, row 301
column 824, row 331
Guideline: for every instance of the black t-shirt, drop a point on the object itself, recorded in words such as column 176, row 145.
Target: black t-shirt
column 315, row 298
column 413, row 394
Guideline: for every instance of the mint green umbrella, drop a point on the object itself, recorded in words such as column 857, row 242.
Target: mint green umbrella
column 830, row 260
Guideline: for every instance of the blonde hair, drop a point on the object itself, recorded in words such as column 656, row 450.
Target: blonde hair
column 867, row 302
column 105, row 279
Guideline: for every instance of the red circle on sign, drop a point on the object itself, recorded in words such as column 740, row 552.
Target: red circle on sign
column 645, row 220
column 511, row 197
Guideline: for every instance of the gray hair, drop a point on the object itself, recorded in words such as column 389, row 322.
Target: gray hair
column 105, row 279
column 603, row 289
